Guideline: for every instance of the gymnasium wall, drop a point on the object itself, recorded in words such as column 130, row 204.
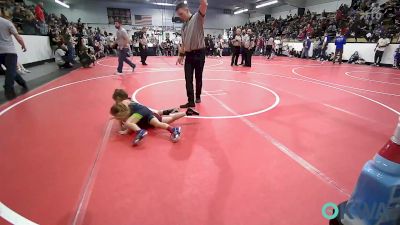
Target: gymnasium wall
column 38, row 49
column 283, row 11
column 254, row 17
column 365, row 50
column 96, row 12
column 328, row 7
column 313, row 5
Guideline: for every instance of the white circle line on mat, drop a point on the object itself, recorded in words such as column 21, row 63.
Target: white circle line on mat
column 366, row 79
column 276, row 102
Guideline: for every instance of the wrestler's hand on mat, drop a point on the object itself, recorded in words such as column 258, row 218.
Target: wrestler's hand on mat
column 180, row 60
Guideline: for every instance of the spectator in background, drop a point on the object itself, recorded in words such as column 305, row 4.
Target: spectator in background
column 109, row 43
column 279, row 46
column 207, row 42
column 212, row 45
column 236, row 42
column 248, row 44
column 396, row 61
column 216, row 43
column 317, row 48
column 39, row 13
column 383, row 42
column 61, row 57
column 306, row 47
column 86, row 56
column 324, row 47
column 220, row 47
column 143, row 46
column 339, row 42
column 9, row 57
column 122, row 42
column 269, row 47
column 69, row 41
column 168, row 47
column 292, row 53
column 55, row 38
column 242, row 48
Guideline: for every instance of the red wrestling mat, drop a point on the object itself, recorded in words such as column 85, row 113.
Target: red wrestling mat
column 274, row 143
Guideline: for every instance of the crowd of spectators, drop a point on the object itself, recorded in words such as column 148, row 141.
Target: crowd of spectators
column 73, row 41
column 167, row 47
column 28, row 19
column 363, row 21
column 70, row 41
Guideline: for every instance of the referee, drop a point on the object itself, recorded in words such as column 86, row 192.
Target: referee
column 193, row 48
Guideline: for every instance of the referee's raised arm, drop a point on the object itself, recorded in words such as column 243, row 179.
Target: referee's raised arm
column 203, row 7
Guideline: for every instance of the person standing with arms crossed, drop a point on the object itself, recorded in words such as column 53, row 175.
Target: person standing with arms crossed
column 193, row 48
column 248, row 44
column 122, row 43
column 236, row 42
column 9, row 57
column 143, row 46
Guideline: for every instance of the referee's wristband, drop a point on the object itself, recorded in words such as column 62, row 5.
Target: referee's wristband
column 182, row 54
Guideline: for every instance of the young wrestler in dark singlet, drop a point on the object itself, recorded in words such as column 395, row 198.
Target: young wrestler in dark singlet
column 140, row 117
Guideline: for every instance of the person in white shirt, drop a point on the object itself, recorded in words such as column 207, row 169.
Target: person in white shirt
column 220, row 48
column 236, row 42
column 269, row 46
column 278, row 44
column 383, row 42
column 9, row 57
column 122, row 43
column 248, row 45
column 61, row 57
column 177, row 43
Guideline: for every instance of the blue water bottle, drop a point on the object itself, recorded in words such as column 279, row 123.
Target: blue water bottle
column 376, row 198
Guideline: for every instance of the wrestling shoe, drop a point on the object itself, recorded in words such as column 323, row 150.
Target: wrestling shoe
column 192, row 112
column 133, row 68
column 187, row 105
column 139, row 137
column 176, row 134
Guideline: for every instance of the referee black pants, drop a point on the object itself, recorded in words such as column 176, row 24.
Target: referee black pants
column 378, row 57
column 248, row 55
column 194, row 65
column 9, row 60
column 143, row 53
column 235, row 55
